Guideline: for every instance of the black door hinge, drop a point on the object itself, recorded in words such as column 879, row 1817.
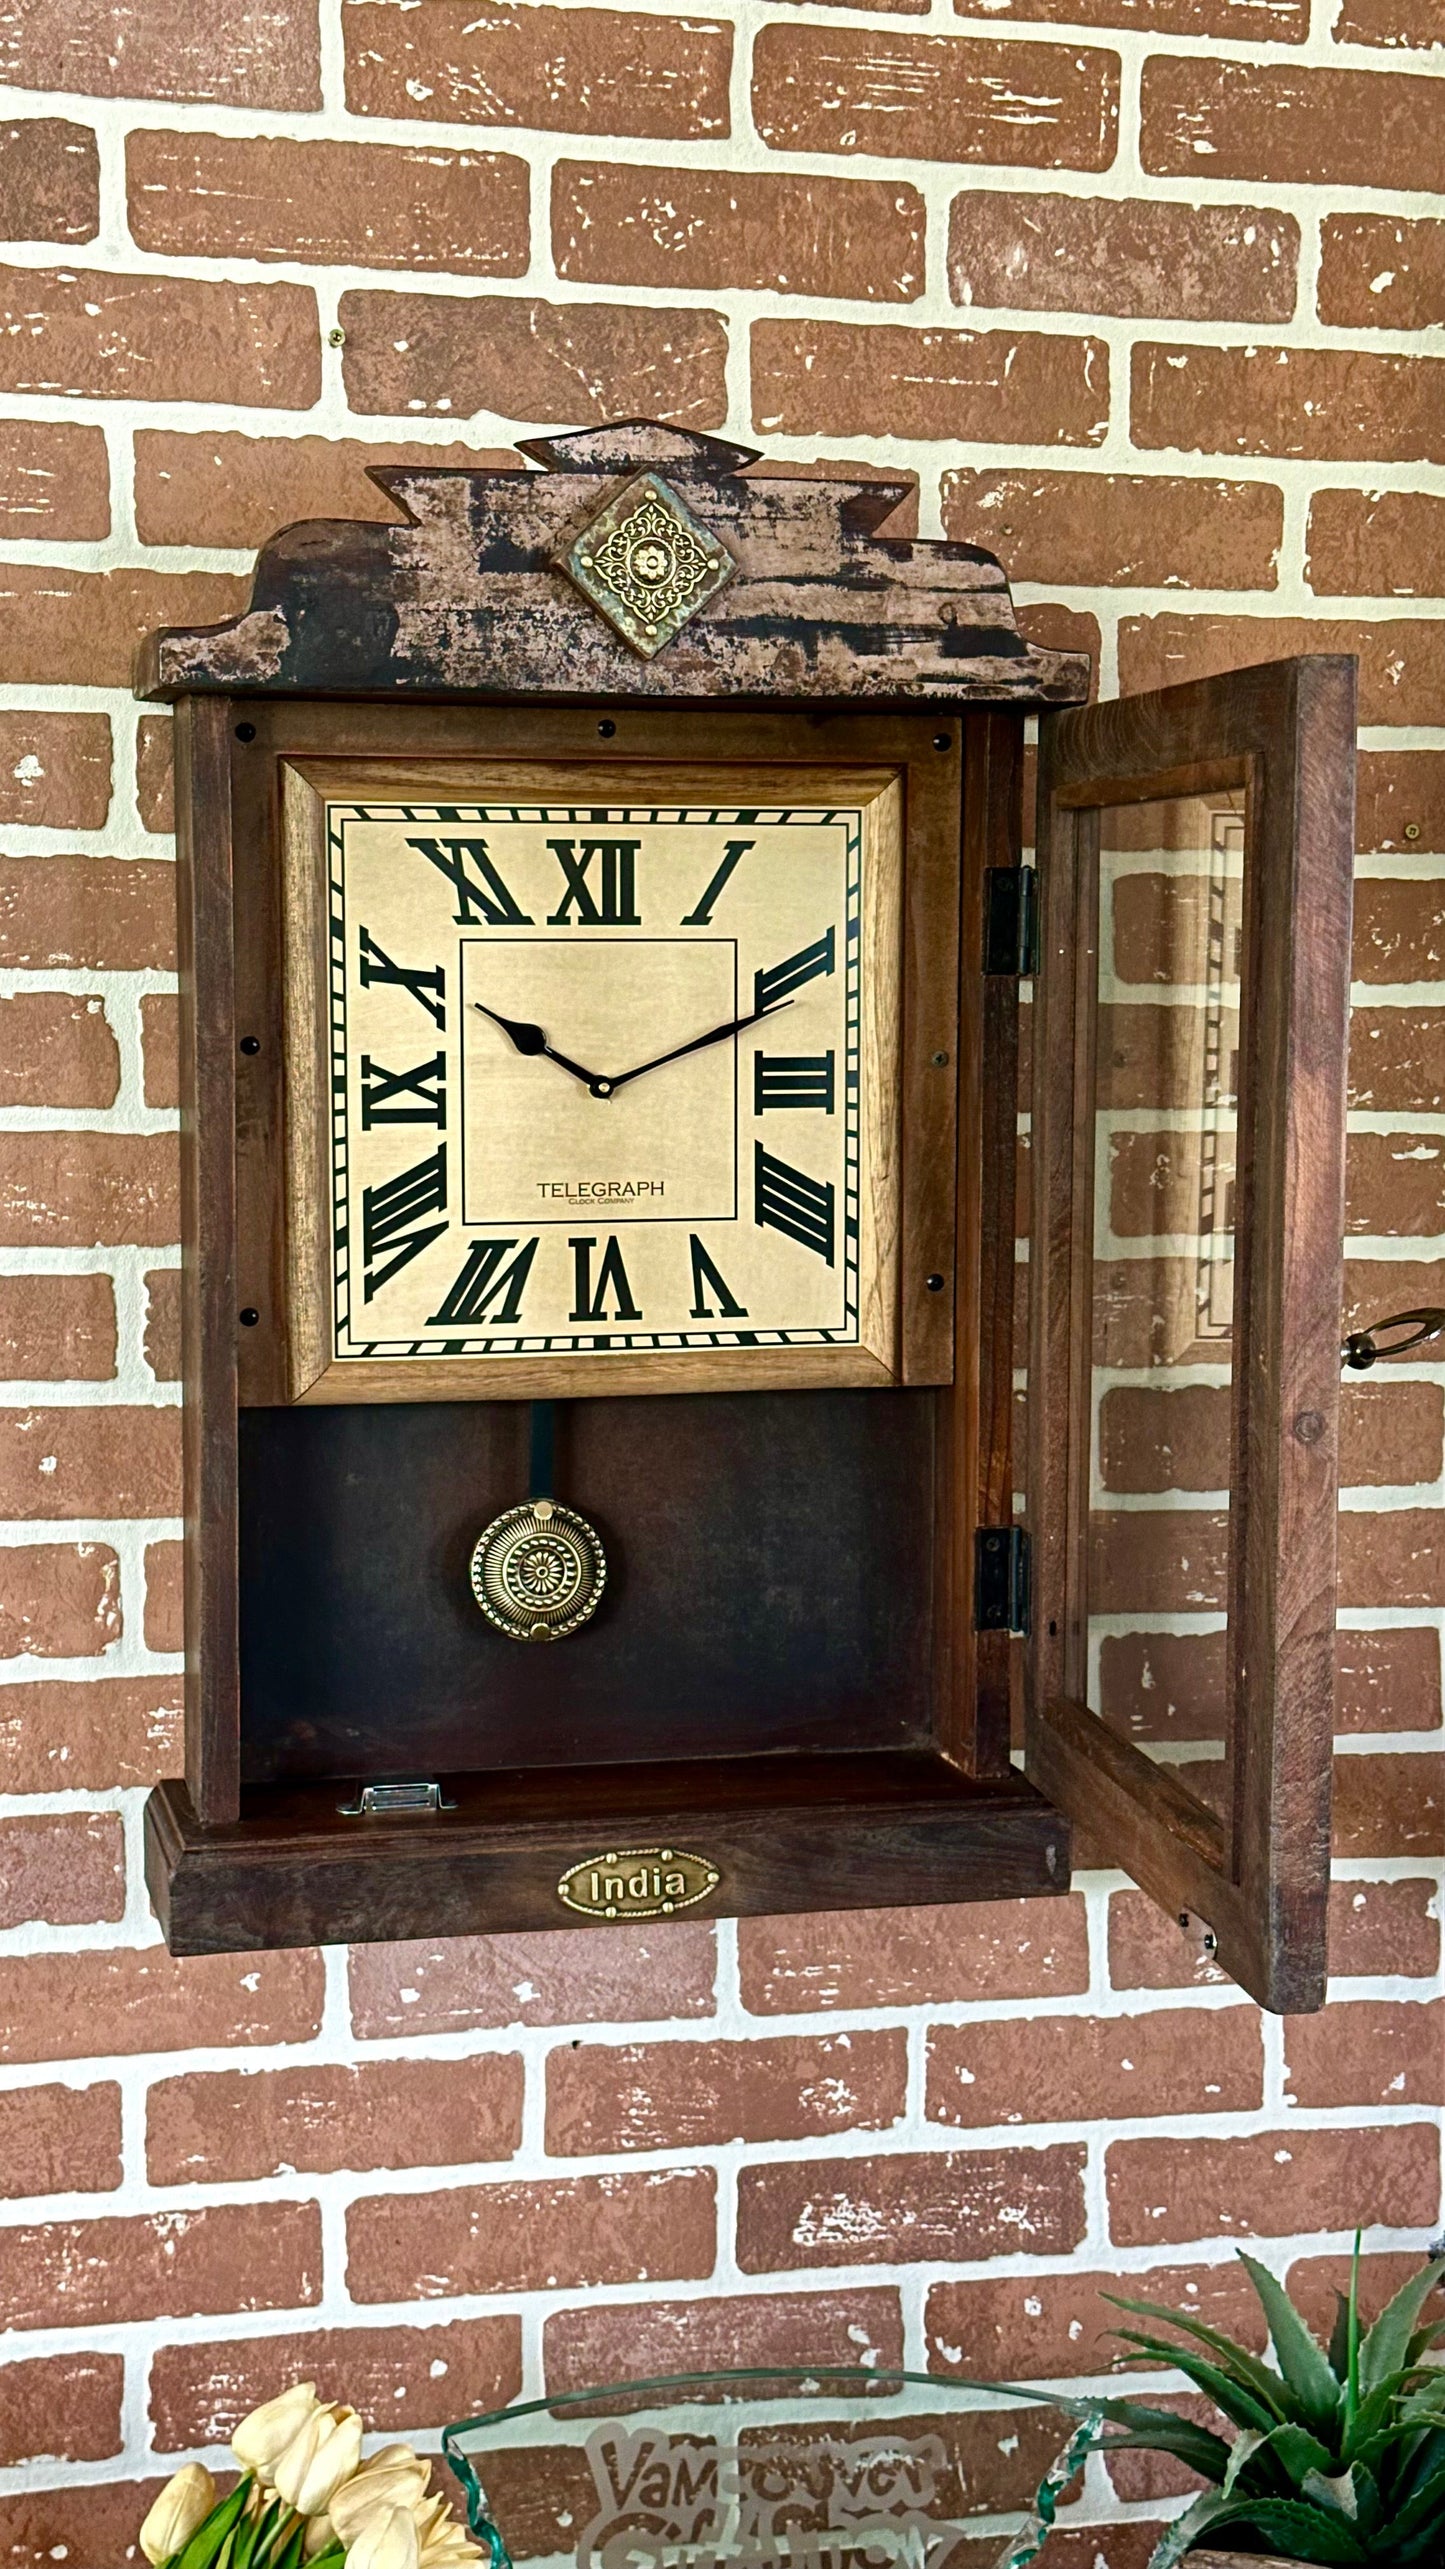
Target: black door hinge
column 1011, row 920
column 1001, row 1579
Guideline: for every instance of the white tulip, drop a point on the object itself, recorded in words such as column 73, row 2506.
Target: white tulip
column 394, row 2478
column 387, row 2540
column 184, row 2503
column 317, row 2460
column 262, row 2438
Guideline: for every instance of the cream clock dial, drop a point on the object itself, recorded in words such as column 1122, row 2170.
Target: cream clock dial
column 606, row 1080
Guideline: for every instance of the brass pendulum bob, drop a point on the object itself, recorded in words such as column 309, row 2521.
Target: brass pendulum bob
column 539, row 1571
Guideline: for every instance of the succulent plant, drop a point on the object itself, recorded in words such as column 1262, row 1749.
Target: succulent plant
column 1338, row 2452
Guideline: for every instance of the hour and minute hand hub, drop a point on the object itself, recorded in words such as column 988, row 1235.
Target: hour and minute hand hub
column 527, row 1038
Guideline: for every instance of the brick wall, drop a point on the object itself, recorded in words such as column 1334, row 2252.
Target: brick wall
column 1145, row 291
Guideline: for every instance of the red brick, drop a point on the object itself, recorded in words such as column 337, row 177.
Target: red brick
column 58, row 1601
column 369, row 205
column 1287, row 124
column 1279, row 22
column 230, row 489
column 1377, row 273
column 234, row 2124
column 77, row 1735
column 1397, row 791
column 65, row 1867
column 1384, row 1929
column 1144, row 261
column 165, row 1627
column 1388, row 22
column 83, row 1190
column 1393, row 1058
column 467, row 1983
column 720, row 2332
column 1148, row 1949
column 163, row 1323
column 533, row 2236
column 851, row 379
column 1376, row 544
column 1335, row 403
column 1163, row 1685
column 61, row 2408
column 82, row 627
column 98, row 913
column 1166, row 2190
column 158, row 338
column 911, row 2207
column 1081, row 2069
column 89, row 1462
column 1402, row 663
column 232, row 2256
column 1373, row 2052
column 160, row 1036
column 155, row 784
column 58, row 2140
column 49, row 181
column 405, row 2381
column 662, row 2096
column 57, row 1329
column 1059, row 628
column 912, row 1957
column 1388, row 1681
column 1392, row 1805
column 54, row 2006
column 1045, row 2327
column 587, row 71
column 1156, row 1439
column 525, row 359
column 711, row 229
column 935, row 98
column 242, row 53
column 54, row 768
column 55, row 481
column 1120, row 530
column 81, row 2523
column 57, row 1049
column 1395, row 1185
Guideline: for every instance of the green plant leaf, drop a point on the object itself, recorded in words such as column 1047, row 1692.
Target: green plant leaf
column 1193, row 2445
column 1293, row 2451
column 1249, row 2370
column 209, row 2538
column 1238, row 2404
column 1340, row 2337
column 1303, row 2363
column 1180, row 2536
column 1298, row 2530
column 1386, row 2348
column 1425, row 2509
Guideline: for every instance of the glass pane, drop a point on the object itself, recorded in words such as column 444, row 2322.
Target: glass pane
column 1171, row 881
column 783, row 2468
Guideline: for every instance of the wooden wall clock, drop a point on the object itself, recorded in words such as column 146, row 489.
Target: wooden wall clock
column 603, row 929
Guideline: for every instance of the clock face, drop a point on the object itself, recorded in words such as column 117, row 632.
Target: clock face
column 599, row 1076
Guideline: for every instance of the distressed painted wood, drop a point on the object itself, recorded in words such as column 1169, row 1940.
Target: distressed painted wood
column 467, row 594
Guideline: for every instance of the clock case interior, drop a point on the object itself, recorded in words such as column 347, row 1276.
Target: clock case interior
column 803, row 1674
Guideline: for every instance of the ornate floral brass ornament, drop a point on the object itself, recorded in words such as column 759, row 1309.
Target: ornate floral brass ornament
column 636, row 1882
column 646, row 564
column 538, row 1572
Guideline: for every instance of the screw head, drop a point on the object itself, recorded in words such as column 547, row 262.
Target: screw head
column 940, row 1061
column 335, row 338
column 1412, row 830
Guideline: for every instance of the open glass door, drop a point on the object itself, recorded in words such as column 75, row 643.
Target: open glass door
column 1191, row 1020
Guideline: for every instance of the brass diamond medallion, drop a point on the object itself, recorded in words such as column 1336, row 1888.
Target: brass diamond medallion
column 646, row 564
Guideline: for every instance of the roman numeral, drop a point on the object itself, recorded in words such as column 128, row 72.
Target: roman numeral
column 701, row 917
column 784, row 978
column 394, row 1218
column 706, row 1280
column 792, row 1079
column 488, row 1272
column 618, row 878
column 786, row 1199
column 383, row 1087
column 485, row 897
column 612, row 1278
column 427, row 988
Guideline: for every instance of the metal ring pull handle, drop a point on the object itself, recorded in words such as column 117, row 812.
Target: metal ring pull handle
column 1360, row 1350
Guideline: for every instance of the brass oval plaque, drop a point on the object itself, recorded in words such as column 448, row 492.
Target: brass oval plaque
column 636, row 1882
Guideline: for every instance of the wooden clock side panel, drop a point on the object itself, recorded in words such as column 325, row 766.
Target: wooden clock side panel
column 209, row 1294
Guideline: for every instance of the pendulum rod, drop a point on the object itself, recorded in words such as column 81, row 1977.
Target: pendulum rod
column 543, row 1447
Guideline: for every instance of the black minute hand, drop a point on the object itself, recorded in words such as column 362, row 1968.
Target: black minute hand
column 526, row 1038
column 715, row 1035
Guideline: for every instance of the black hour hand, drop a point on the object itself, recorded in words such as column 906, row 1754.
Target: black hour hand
column 527, row 1038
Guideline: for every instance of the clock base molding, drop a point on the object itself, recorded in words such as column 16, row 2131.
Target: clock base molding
column 873, row 1830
